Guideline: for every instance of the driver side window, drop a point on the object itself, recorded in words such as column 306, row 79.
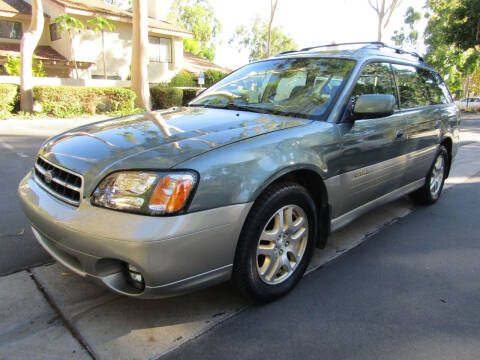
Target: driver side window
column 376, row 78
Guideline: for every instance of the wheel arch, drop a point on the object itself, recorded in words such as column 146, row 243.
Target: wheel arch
column 309, row 178
column 448, row 143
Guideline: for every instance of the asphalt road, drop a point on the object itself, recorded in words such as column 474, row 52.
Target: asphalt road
column 19, row 250
column 409, row 292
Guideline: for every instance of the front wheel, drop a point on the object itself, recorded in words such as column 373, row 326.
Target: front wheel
column 276, row 243
column 434, row 181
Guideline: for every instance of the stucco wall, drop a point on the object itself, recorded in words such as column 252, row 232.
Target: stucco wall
column 118, row 50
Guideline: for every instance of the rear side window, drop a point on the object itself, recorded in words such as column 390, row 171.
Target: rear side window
column 443, row 86
column 437, row 89
column 411, row 86
column 375, row 78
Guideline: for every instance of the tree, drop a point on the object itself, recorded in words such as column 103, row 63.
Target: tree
column 401, row 37
column 452, row 60
column 69, row 24
column 13, row 66
column 461, row 25
column 140, row 54
column 100, row 24
column 255, row 38
column 273, row 8
column 475, row 83
column 384, row 13
column 28, row 44
column 198, row 17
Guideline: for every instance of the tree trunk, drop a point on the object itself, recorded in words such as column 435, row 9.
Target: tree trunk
column 73, row 54
column 140, row 55
column 379, row 29
column 104, row 57
column 273, row 7
column 27, row 47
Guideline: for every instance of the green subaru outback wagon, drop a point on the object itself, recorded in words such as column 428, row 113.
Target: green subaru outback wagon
column 250, row 177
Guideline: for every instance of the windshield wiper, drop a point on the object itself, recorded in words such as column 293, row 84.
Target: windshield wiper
column 232, row 107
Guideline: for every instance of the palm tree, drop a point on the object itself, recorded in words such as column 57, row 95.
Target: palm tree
column 69, row 24
column 27, row 47
column 100, row 24
column 139, row 54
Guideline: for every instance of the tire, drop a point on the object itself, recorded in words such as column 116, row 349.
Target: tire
column 269, row 262
column 430, row 192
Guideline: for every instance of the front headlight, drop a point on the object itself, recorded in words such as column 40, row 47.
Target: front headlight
column 145, row 192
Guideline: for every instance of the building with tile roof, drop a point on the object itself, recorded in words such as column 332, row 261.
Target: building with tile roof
column 55, row 49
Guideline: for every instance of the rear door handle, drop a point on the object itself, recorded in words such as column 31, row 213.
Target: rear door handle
column 399, row 134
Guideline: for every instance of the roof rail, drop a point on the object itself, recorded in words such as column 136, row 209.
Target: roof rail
column 342, row 44
column 366, row 44
column 287, row 52
column 401, row 51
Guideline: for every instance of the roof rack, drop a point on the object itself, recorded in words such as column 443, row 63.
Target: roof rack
column 343, row 44
column 366, row 44
column 401, row 51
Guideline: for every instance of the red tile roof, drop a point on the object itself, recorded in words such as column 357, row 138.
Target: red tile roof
column 99, row 6
column 42, row 52
column 16, row 6
column 194, row 63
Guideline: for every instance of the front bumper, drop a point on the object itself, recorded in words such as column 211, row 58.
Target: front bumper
column 174, row 254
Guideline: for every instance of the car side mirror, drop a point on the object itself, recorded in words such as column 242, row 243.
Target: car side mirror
column 374, row 106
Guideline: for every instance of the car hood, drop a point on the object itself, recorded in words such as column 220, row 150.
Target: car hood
column 155, row 140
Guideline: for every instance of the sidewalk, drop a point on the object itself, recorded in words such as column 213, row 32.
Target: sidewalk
column 44, row 126
column 48, row 313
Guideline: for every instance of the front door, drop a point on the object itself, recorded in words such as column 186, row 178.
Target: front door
column 373, row 159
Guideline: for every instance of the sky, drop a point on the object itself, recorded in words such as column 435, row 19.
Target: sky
column 308, row 22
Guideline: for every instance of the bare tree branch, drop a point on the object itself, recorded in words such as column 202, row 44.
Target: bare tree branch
column 393, row 6
column 375, row 8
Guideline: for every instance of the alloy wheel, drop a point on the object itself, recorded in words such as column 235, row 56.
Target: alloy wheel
column 437, row 175
column 282, row 244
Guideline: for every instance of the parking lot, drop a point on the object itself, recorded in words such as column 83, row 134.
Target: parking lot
column 411, row 288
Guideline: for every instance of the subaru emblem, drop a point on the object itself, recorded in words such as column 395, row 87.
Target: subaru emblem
column 48, row 176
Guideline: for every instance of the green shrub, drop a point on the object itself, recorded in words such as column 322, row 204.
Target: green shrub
column 189, row 95
column 164, row 98
column 8, row 97
column 13, row 64
column 212, row 76
column 64, row 101
column 183, row 80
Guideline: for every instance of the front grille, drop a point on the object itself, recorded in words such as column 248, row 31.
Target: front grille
column 59, row 182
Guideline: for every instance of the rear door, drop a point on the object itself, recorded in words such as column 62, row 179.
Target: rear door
column 373, row 157
column 421, row 102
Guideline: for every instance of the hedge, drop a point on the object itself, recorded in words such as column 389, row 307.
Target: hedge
column 213, row 76
column 63, row 101
column 183, row 80
column 189, row 95
column 164, row 98
column 8, row 97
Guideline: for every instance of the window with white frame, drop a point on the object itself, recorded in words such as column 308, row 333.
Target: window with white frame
column 160, row 49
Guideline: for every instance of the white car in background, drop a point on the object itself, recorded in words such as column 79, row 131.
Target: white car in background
column 470, row 103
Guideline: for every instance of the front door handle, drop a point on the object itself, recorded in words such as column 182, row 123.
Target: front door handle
column 399, row 134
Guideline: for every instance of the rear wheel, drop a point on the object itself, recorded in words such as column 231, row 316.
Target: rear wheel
column 276, row 243
column 434, row 181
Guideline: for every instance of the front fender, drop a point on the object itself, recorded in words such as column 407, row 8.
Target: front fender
column 239, row 172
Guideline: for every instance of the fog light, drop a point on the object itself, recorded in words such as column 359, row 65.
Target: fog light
column 135, row 277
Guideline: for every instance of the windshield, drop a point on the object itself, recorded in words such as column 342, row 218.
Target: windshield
column 303, row 87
